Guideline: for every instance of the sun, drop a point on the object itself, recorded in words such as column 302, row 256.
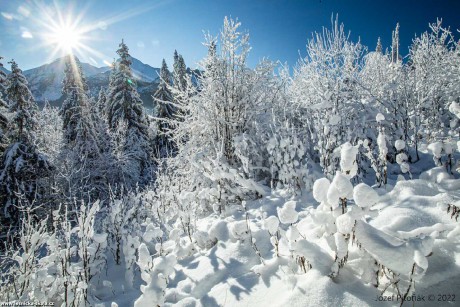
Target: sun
column 66, row 38
column 63, row 28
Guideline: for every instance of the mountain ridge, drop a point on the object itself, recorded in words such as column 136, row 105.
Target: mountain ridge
column 45, row 81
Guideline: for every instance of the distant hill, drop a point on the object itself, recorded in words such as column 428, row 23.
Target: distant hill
column 4, row 70
column 45, row 81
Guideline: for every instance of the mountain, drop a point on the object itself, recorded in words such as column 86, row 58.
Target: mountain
column 45, row 81
column 6, row 71
column 144, row 72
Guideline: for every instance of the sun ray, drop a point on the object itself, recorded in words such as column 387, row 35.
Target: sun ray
column 64, row 32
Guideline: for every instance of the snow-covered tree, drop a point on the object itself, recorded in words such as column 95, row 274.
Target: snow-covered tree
column 220, row 135
column 49, row 134
column 21, row 166
column 83, row 161
column 164, row 112
column 379, row 47
column 179, row 71
column 22, row 104
column 325, row 88
column 102, row 103
column 127, row 120
column 434, row 66
column 395, row 45
column 3, row 110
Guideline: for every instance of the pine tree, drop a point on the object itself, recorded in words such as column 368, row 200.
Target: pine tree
column 76, row 99
column 102, row 103
column 163, row 94
column 378, row 48
column 164, row 111
column 21, row 166
column 180, row 72
column 22, row 104
column 82, row 151
column 3, row 110
column 128, row 122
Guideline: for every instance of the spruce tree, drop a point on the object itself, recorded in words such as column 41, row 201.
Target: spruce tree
column 102, row 103
column 128, row 122
column 378, row 48
column 180, row 72
column 3, row 110
column 164, row 111
column 22, row 104
column 82, row 151
column 22, row 167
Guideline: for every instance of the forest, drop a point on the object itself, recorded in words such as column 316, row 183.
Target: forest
column 334, row 182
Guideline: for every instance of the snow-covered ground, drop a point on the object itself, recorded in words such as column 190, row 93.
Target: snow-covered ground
column 235, row 261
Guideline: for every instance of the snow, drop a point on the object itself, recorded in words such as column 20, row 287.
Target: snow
column 225, row 269
column 380, row 117
column 271, row 224
column 382, row 143
column 401, row 157
column 400, row 145
column 454, row 108
column 436, row 149
column 287, row 214
column 272, row 205
column 436, row 175
column 239, row 230
column 345, row 223
column 340, row 187
column 334, row 120
column 320, row 188
column 405, row 168
column 392, row 252
column 348, row 163
column 364, row 195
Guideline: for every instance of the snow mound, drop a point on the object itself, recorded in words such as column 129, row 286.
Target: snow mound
column 364, row 195
column 287, row 214
column 435, row 175
column 399, row 145
column 271, row 224
column 320, row 188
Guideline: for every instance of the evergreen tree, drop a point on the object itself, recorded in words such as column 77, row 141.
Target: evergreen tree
column 102, row 103
column 180, row 72
column 378, row 48
column 22, row 105
column 76, row 99
column 21, row 166
column 84, row 163
column 128, row 122
column 3, row 110
column 164, row 111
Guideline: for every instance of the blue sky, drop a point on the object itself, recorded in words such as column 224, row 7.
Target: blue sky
column 278, row 29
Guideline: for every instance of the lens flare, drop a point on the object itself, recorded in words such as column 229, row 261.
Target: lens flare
column 66, row 38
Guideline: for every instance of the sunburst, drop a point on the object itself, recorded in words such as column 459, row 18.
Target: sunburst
column 66, row 38
column 64, row 32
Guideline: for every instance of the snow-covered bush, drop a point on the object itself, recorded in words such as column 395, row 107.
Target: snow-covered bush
column 21, row 269
column 287, row 159
column 155, row 273
column 122, row 224
column 325, row 90
column 382, row 173
column 401, row 157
